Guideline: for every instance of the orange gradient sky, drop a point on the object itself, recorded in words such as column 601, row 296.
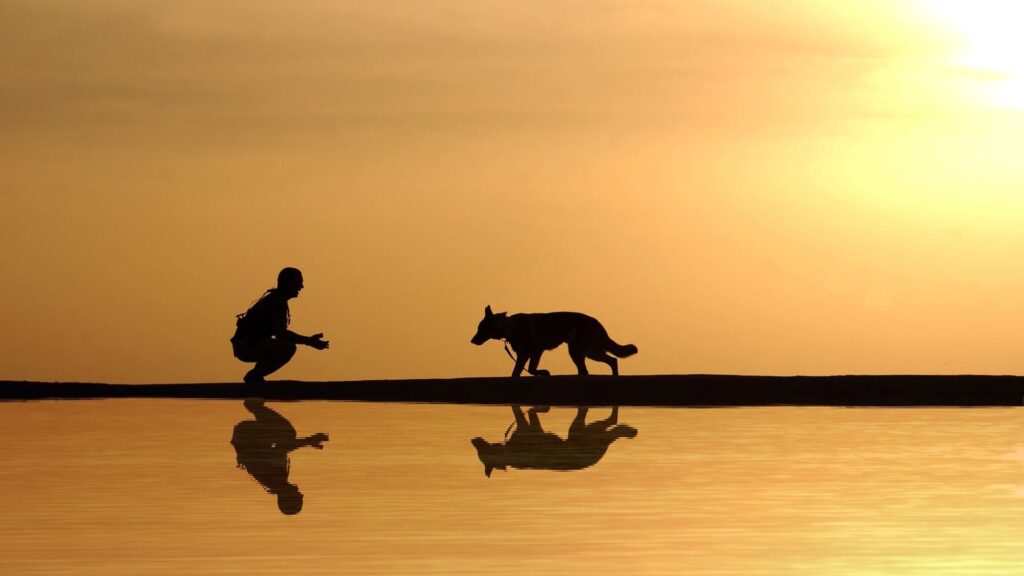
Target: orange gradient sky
column 808, row 187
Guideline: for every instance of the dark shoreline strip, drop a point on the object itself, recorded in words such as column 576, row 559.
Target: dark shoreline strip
column 665, row 390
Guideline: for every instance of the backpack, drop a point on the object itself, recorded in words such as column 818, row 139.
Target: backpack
column 244, row 322
column 241, row 328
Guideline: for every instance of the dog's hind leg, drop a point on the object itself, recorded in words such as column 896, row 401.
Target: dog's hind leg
column 579, row 423
column 608, row 359
column 579, row 356
column 603, row 425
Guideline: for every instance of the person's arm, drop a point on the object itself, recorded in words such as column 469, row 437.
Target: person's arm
column 315, row 341
column 282, row 332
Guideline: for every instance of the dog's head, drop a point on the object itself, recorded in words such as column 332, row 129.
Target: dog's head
column 491, row 455
column 491, row 327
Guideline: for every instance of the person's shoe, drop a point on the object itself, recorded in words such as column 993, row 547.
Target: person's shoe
column 252, row 378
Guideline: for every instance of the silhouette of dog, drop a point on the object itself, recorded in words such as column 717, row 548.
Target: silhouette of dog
column 531, row 334
column 531, row 447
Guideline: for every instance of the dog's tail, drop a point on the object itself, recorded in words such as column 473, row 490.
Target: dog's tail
column 620, row 350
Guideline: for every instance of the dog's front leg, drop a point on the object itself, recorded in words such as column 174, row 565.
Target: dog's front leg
column 517, row 413
column 520, row 363
column 534, row 360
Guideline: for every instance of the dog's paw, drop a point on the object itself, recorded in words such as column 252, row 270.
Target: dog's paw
column 541, row 373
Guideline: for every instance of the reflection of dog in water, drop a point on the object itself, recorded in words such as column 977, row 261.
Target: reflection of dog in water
column 262, row 446
column 530, row 447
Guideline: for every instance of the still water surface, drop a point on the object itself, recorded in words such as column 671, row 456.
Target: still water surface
column 154, row 487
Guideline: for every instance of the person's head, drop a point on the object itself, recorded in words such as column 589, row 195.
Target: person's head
column 289, row 281
column 289, row 500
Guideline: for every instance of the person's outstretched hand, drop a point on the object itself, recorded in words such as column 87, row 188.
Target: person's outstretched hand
column 317, row 440
column 317, row 341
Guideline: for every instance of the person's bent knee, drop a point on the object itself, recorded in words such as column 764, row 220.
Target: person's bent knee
column 286, row 349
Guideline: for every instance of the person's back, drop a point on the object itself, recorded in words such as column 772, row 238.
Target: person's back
column 265, row 319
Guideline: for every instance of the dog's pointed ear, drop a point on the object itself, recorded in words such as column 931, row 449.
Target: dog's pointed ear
column 487, row 312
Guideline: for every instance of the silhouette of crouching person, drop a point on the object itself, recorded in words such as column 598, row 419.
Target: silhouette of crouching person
column 262, row 335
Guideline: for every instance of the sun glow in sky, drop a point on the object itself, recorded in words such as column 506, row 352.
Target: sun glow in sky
column 990, row 44
column 819, row 187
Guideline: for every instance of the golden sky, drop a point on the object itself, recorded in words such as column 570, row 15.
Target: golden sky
column 800, row 186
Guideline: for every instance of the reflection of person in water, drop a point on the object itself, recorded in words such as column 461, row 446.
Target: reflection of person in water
column 262, row 446
column 530, row 447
